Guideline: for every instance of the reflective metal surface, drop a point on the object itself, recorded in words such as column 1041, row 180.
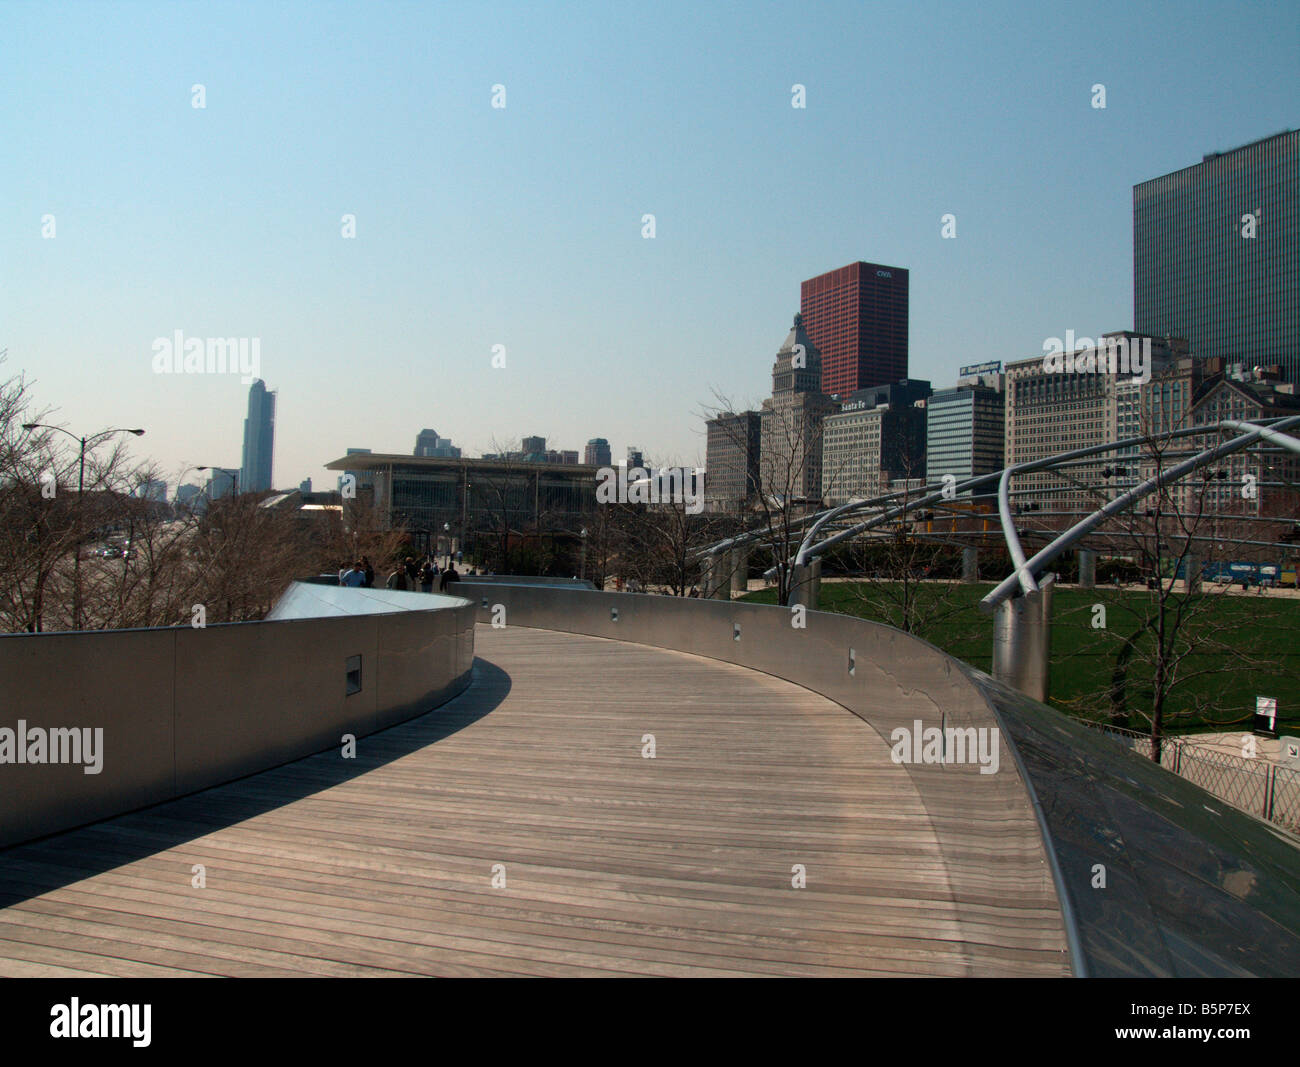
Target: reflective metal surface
column 1164, row 879
column 182, row 709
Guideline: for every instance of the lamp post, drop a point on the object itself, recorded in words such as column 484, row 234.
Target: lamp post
column 582, row 568
column 464, row 509
column 232, row 471
column 81, row 485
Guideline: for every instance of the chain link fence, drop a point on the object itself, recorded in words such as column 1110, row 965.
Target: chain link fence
column 1258, row 786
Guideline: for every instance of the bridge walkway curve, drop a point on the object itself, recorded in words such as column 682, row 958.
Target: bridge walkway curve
column 523, row 829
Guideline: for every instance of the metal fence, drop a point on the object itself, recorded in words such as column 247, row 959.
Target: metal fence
column 1258, row 786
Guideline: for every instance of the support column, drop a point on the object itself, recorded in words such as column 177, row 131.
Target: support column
column 1022, row 642
column 740, row 570
column 1087, row 568
column 716, row 580
column 1191, row 573
column 806, row 584
column 970, row 564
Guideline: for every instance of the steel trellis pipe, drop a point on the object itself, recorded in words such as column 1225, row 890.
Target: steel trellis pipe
column 1086, row 526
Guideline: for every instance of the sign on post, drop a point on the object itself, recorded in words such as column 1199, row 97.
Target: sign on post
column 1266, row 716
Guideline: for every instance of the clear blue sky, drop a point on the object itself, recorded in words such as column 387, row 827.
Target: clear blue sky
column 522, row 226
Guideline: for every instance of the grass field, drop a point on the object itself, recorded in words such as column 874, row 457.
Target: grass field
column 1265, row 629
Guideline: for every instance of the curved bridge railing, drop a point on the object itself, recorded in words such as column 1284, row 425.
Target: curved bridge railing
column 97, row 723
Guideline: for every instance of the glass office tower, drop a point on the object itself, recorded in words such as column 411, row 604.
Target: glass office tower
column 1197, row 271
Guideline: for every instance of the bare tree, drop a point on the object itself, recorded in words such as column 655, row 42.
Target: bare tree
column 1178, row 645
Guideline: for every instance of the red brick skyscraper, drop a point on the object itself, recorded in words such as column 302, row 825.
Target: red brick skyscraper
column 857, row 317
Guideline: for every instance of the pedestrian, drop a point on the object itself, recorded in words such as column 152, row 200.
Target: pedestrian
column 370, row 572
column 412, row 572
column 426, row 576
column 398, row 580
column 448, row 576
column 343, row 570
column 355, row 576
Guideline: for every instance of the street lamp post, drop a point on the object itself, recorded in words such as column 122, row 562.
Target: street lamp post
column 232, row 471
column 582, row 568
column 81, row 486
column 464, row 509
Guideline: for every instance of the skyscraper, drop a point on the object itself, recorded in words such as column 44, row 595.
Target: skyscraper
column 597, row 453
column 964, row 434
column 731, row 459
column 428, row 443
column 790, row 423
column 259, row 439
column 857, row 318
column 1216, row 255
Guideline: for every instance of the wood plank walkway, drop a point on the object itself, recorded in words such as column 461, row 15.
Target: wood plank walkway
column 613, row 863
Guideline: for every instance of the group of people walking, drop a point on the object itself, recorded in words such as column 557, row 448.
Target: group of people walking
column 409, row 575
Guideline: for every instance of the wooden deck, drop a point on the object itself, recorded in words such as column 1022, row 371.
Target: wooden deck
column 614, row 864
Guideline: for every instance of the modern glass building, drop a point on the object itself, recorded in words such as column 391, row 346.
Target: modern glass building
column 259, row 440
column 1199, row 273
column 440, row 499
column 964, row 432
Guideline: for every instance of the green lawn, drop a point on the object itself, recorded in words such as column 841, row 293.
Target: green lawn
column 1264, row 629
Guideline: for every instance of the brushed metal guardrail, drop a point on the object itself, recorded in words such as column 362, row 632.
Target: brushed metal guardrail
column 174, row 710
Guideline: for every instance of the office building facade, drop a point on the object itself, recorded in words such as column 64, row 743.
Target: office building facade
column 428, row 443
column 1050, row 411
column 875, row 438
column 1216, row 255
column 790, row 423
column 857, row 318
column 597, row 453
column 964, row 432
column 732, row 447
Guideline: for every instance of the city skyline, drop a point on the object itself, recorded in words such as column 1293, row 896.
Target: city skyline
column 532, row 251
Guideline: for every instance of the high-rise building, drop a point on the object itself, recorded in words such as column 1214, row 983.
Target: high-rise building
column 304, row 486
column 259, row 439
column 186, row 493
column 1216, row 255
column 597, row 453
column 635, row 458
column 790, row 423
column 875, row 438
column 1052, row 409
column 857, row 318
column 731, row 459
column 964, row 430
column 428, row 443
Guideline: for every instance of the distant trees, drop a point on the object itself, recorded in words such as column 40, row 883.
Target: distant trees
column 111, row 557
